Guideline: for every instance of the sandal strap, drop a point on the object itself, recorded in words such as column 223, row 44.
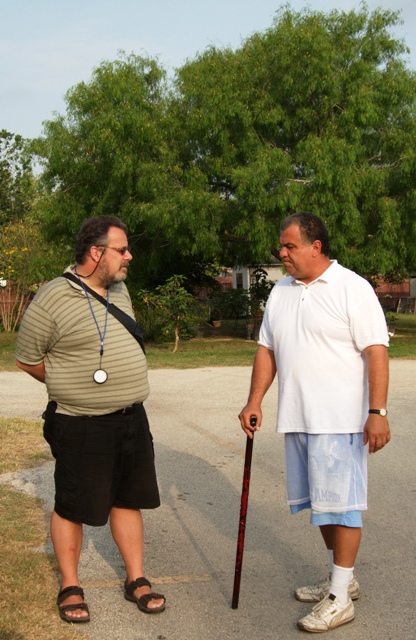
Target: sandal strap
column 71, row 607
column 69, row 591
column 135, row 584
column 147, row 597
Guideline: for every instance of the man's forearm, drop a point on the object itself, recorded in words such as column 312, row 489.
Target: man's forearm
column 37, row 371
column 264, row 371
column 378, row 375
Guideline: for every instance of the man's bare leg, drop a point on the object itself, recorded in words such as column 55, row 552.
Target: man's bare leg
column 127, row 531
column 67, row 543
column 344, row 542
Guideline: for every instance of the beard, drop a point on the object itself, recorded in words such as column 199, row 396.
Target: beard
column 107, row 279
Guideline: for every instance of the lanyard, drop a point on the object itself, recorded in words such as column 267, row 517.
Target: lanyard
column 102, row 335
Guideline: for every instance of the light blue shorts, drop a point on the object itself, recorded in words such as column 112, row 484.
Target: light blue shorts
column 327, row 473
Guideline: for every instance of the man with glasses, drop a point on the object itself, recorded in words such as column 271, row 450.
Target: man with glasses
column 96, row 377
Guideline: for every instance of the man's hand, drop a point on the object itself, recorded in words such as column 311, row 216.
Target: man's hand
column 250, row 418
column 376, row 432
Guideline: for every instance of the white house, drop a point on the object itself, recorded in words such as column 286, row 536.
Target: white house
column 243, row 275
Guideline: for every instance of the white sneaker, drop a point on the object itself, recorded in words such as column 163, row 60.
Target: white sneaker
column 327, row 615
column 318, row 591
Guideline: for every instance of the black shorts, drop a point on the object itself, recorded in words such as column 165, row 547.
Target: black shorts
column 101, row 462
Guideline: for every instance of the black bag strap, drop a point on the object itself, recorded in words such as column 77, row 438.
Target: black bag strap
column 131, row 325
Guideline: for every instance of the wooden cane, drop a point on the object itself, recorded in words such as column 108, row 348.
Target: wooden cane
column 243, row 517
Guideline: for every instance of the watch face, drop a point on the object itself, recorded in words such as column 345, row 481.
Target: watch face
column 383, row 412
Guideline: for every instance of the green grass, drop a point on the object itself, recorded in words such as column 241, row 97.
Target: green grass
column 7, row 346
column 202, row 352
column 403, row 343
column 32, row 449
column 226, row 346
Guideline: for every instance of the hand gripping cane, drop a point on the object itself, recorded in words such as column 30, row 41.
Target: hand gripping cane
column 243, row 515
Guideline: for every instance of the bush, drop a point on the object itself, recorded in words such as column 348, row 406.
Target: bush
column 231, row 304
column 172, row 312
column 152, row 322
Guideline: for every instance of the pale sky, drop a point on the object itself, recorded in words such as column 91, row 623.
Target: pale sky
column 48, row 46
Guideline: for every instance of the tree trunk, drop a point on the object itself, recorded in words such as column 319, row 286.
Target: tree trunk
column 176, row 340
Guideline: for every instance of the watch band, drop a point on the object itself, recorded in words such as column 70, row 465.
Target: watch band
column 380, row 412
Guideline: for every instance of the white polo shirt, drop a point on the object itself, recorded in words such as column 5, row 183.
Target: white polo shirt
column 318, row 332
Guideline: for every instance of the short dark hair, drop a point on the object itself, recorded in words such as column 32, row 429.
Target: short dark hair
column 311, row 228
column 94, row 232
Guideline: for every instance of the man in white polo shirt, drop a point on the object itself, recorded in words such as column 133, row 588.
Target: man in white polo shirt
column 325, row 335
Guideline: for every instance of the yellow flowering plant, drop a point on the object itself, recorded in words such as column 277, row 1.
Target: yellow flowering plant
column 26, row 261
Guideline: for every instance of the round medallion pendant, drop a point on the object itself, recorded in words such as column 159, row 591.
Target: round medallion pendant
column 100, row 376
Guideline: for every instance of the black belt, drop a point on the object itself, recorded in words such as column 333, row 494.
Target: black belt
column 127, row 410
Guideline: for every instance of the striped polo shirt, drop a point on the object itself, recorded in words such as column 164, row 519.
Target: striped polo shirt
column 59, row 329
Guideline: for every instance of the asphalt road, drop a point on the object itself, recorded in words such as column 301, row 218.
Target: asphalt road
column 191, row 539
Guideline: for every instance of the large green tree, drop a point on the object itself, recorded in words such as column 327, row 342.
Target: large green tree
column 316, row 113
column 114, row 152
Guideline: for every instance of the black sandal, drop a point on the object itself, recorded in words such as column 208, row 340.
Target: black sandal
column 63, row 608
column 144, row 600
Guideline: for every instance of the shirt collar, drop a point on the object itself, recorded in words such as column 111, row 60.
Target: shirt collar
column 327, row 276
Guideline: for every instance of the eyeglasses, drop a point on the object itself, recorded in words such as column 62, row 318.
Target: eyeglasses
column 121, row 250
